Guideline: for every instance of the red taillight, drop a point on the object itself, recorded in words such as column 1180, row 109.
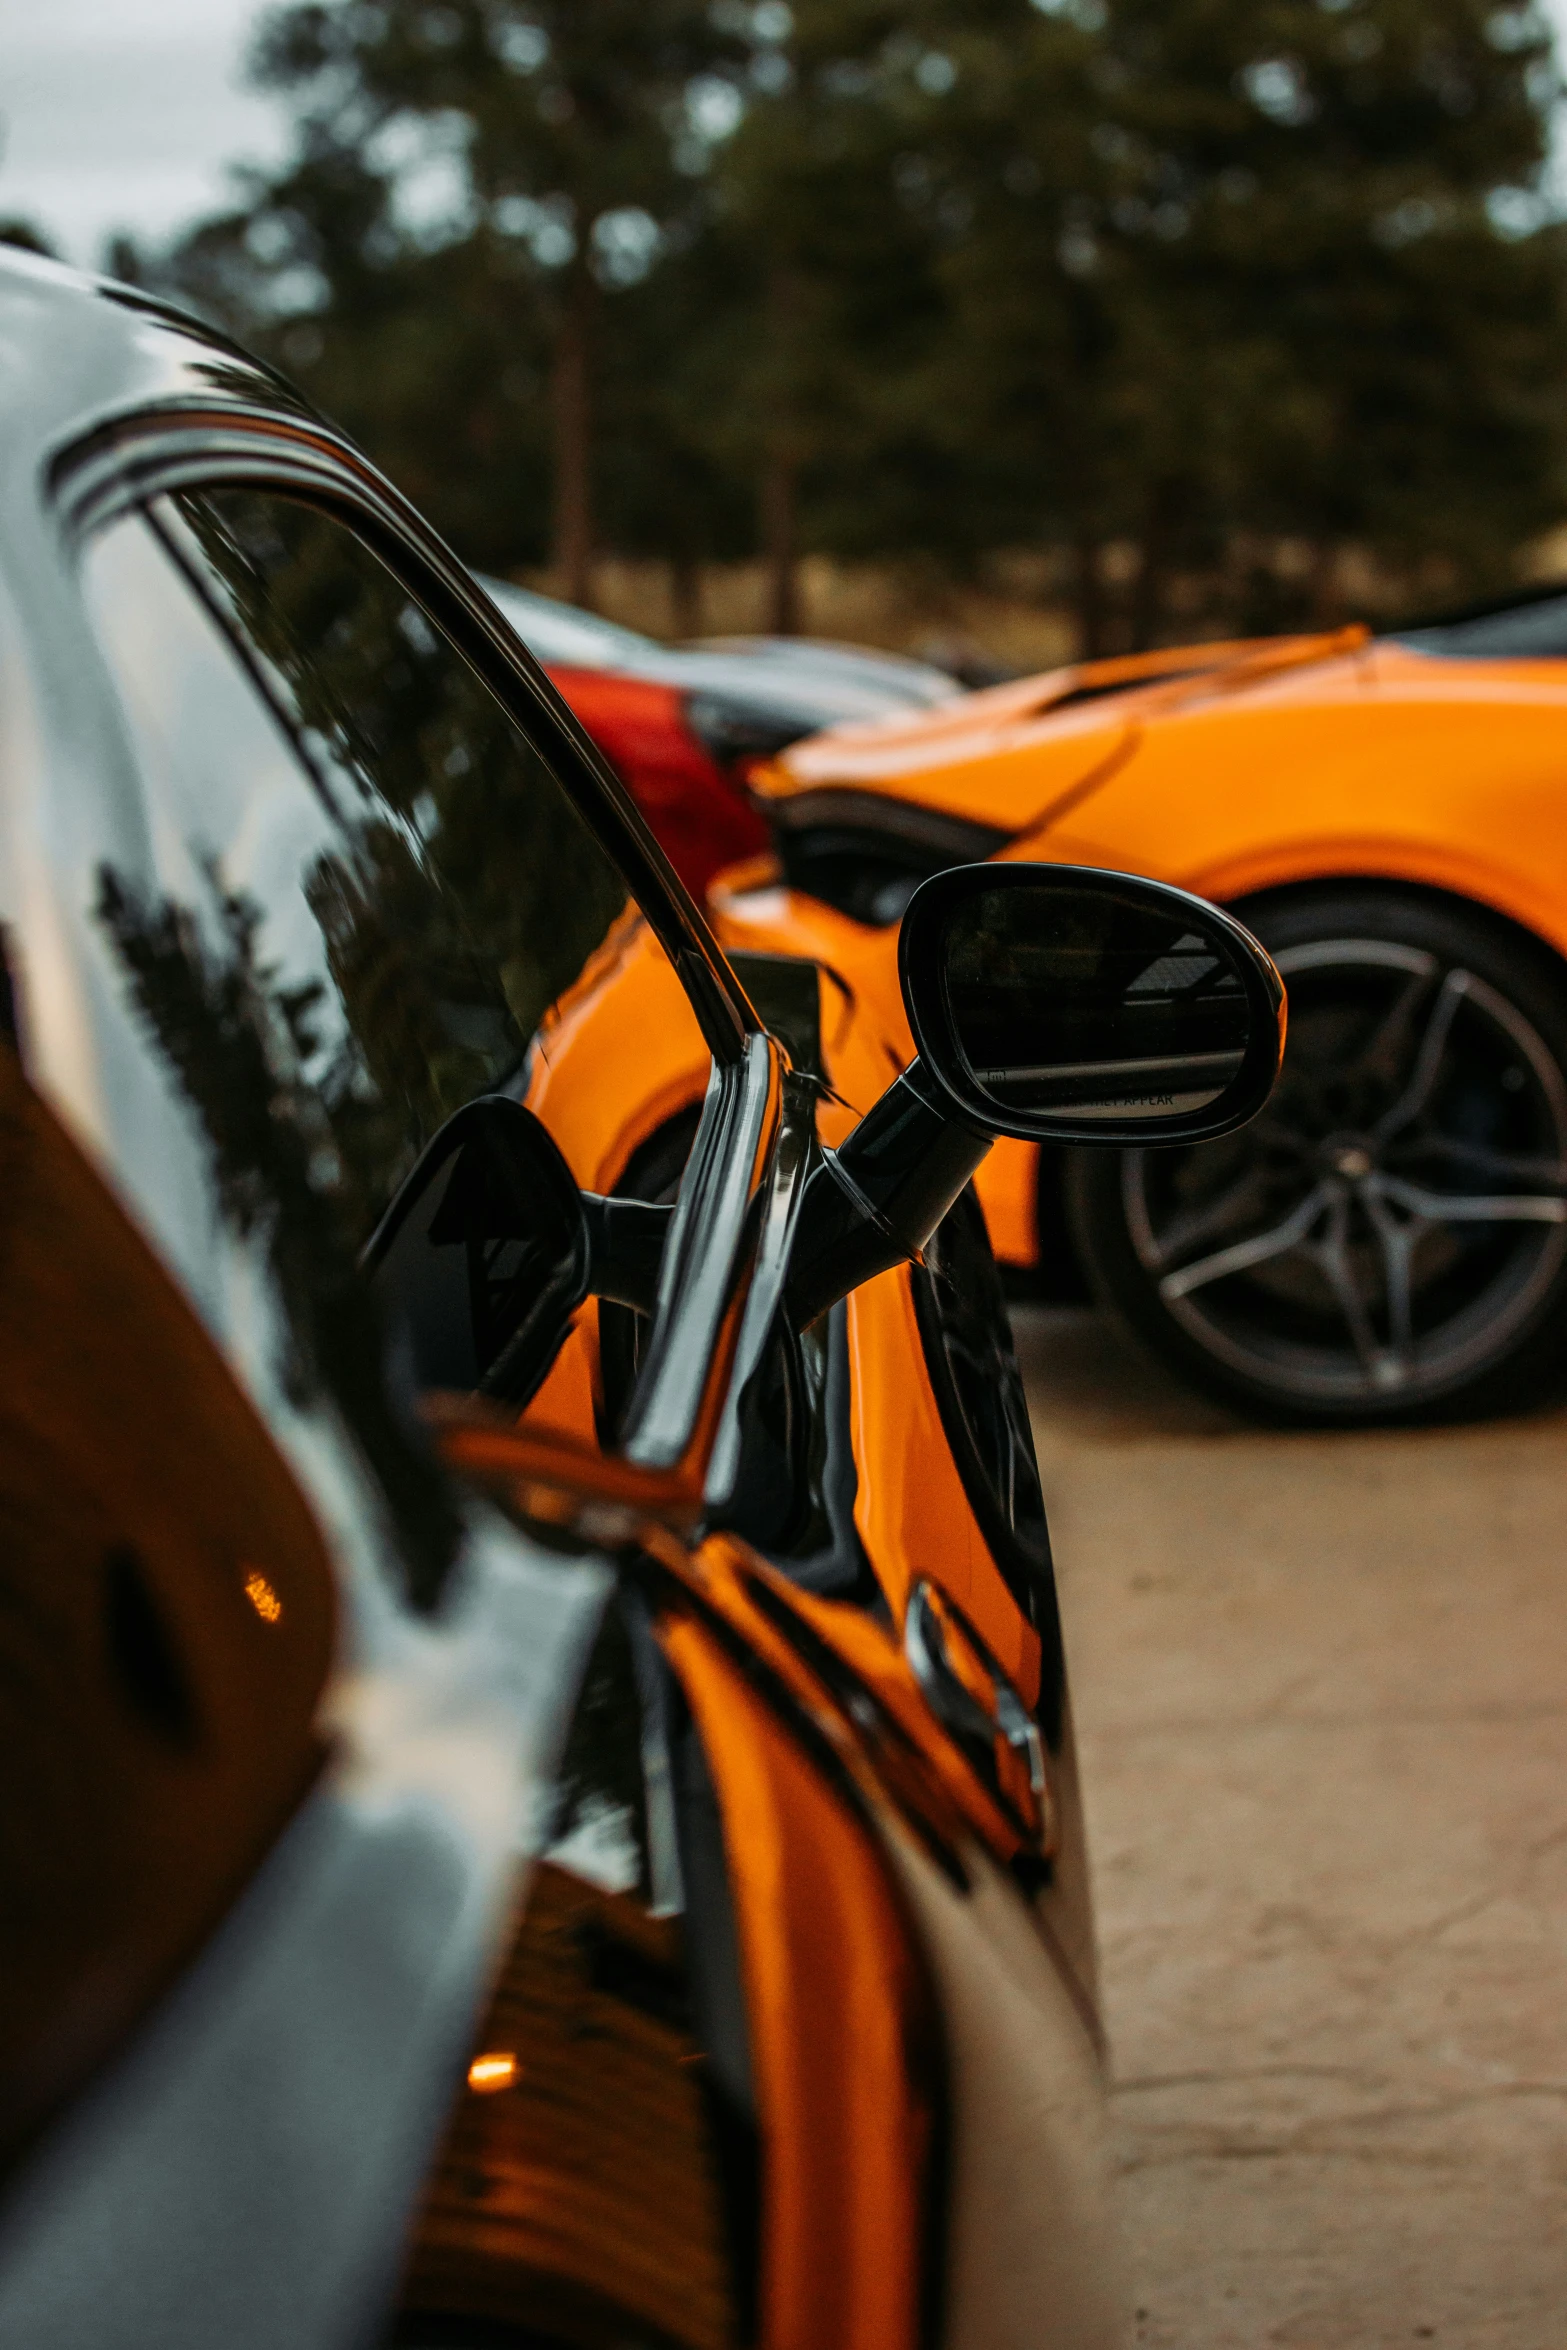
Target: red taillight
column 699, row 815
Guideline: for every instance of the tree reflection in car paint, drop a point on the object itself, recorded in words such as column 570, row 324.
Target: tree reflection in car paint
column 333, row 973
column 237, row 1048
column 451, row 932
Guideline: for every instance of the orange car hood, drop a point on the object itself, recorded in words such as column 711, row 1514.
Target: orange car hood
column 1017, row 756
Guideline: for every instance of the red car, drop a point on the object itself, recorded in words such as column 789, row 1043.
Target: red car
column 683, row 723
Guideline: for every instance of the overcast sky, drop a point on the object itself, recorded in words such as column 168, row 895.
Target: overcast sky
column 124, row 113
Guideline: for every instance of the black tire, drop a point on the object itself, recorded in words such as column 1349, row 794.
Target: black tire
column 1312, row 1267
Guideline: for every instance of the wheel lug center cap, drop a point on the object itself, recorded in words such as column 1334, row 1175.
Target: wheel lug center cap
column 1348, row 1156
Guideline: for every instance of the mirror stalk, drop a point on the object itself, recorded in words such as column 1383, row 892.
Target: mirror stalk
column 625, row 1248
column 877, row 1200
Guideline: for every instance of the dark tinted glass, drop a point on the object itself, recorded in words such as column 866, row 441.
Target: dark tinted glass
column 1092, row 1004
column 462, row 894
column 363, row 902
column 1532, row 629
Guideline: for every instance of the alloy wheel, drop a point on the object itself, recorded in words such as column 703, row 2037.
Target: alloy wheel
column 1396, row 1216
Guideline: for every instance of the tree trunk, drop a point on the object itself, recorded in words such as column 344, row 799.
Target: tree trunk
column 685, row 594
column 570, row 393
column 1089, row 598
column 779, row 545
column 1327, row 605
column 1153, row 567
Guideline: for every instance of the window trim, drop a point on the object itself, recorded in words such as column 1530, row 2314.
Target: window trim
column 728, row 1163
column 181, row 446
column 123, row 467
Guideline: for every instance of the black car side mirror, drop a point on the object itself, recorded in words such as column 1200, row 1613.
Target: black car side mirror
column 489, row 1248
column 1064, row 1004
column 1057, row 1003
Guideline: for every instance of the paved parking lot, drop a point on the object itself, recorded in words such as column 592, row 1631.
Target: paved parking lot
column 1321, row 1686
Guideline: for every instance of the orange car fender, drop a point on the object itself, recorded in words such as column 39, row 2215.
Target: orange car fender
column 1418, row 787
column 619, row 1056
column 1427, row 780
column 1460, row 870
column 1021, row 2040
column 1228, row 872
column 844, row 2024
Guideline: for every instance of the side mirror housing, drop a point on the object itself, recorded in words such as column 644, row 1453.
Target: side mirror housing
column 489, row 1248
column 1057, row 1003
column 483, row 1256
column 1060, row 1003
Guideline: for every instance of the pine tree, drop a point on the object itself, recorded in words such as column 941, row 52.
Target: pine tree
column 1262, row 277
column 1203, row 282
column 473, row 181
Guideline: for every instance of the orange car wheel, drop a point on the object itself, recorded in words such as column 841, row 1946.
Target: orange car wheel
column 1389, row 1238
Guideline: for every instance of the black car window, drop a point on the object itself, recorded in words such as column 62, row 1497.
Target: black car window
column 367, row 908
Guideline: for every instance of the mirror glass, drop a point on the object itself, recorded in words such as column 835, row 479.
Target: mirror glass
column 1088, row 1004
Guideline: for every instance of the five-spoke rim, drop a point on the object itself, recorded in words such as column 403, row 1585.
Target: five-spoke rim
column 1392, row 1221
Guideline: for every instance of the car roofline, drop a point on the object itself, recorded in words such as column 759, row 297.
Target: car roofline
column 104, row 365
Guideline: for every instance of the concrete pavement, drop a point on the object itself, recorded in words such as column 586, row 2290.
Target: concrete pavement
column 1321, row 1689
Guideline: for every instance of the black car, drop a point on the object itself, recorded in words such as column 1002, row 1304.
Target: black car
column 484, row 1847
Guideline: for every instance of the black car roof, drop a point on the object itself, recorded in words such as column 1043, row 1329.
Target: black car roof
column 75, row 351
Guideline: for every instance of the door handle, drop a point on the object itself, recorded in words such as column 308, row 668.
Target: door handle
column 976, row 1702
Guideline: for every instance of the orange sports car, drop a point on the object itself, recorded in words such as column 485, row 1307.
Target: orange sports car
column 1389, row 815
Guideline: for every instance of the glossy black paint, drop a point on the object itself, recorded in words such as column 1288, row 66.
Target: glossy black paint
column 167, row 446
column 440, row 1887
column 877, row 1199
column 483, row 1256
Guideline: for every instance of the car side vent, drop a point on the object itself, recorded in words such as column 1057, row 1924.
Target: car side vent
column 1099, row 691
column 866, row 857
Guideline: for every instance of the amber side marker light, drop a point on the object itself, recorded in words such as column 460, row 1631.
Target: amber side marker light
column 486, row 2074
column 262, row 1597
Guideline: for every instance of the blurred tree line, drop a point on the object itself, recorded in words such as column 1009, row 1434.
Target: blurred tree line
column 1153, row 288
